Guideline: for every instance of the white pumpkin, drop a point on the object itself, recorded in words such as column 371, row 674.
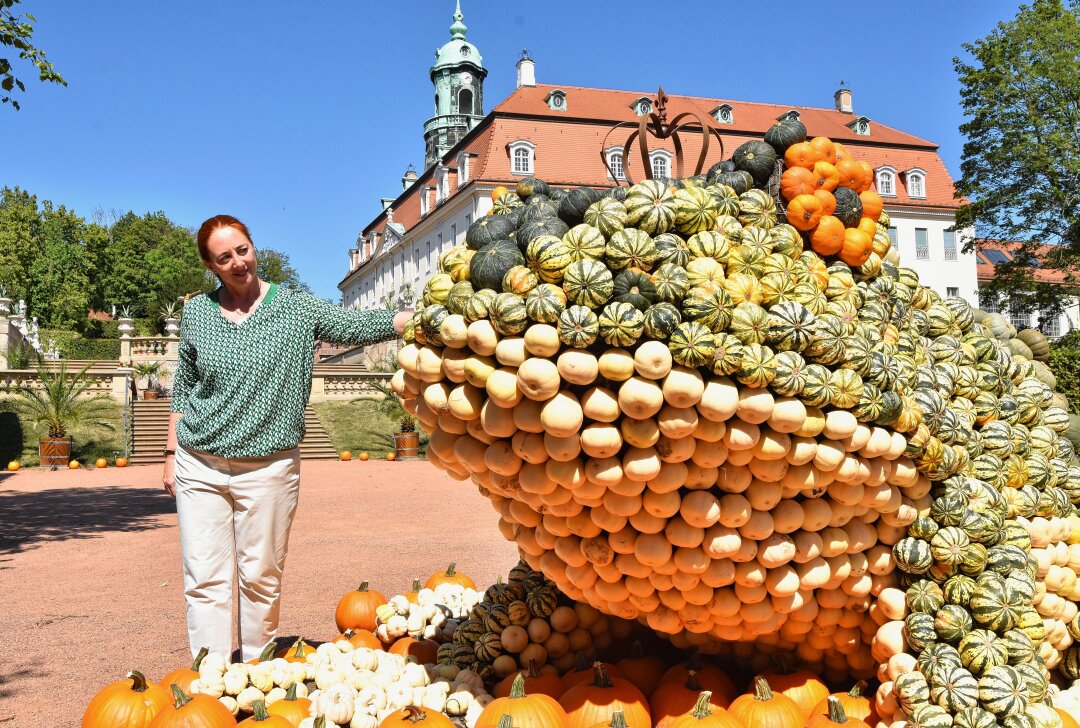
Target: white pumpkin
column 336, row 703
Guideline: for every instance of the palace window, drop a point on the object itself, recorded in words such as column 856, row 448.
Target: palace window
column 615, row 164
column 661, row 163
column 521, row 157
column 916, row 184
column 724, row 114
column 950, row 245
column 886, row 182
column 922, row 244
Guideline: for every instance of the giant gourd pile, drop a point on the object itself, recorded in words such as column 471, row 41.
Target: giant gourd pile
column 735, row 428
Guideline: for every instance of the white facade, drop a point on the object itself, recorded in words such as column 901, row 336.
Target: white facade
column 412, row 259
column 938, row 256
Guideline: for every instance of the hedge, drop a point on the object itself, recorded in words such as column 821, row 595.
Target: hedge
column 73, row 345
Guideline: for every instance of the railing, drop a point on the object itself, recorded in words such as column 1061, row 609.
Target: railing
column 466, row 120
column 99, row 382
column 149, row 348
column 325, row 386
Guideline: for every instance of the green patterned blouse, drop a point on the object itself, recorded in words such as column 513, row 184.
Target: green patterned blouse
column 242, row 388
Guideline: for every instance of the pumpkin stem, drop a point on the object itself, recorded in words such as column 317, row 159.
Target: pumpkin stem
column 259, row 709
column 450, row 570
column 416, row 585
column 762, row 691
column 517, row 689
column 836, row 711
column 618, row 720
column 703, row 708
column 857, row 689
column 363, row 587
column 415, row 714
column 268, row 652
column 180, row 698
column 320, row 722
column 505, row 722
column 138, row 681
column 534, row 669
column 601, row 679
column 692, row 682
column 299, row 649
column 290, row 694
column 199, row 658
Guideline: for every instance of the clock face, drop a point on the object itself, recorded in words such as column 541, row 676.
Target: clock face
column 466, row 77
column 465, row 50
column 557, row 100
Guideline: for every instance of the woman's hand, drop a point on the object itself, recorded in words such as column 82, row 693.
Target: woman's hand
column 401, row 318
column 168, row 478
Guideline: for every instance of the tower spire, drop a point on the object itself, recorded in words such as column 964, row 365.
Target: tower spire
column 458, row 29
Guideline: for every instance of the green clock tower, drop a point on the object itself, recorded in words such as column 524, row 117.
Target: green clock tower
column 458, row 75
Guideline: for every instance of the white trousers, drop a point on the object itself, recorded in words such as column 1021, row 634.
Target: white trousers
column 234, row 516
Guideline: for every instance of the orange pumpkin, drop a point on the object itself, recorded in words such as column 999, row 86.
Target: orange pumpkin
column 499, row 192
column 536, row 681
column 828, row 201
column 705, row 715
column 841, row 151
column 129, row 703
column 673, row 700
column 193, row 711
column 804, row 212
column 825, row 148
column 263, row 719
column 585, row 671
column 346, row 455
column 802, row 686
column 709, row 676
column 413, row 595
column 121, row 462
column 356, row 610
column 835, row 717
column 828, row 236
column 765, row 709
column 856, row 250
column 801, row 154
column 868, row 176
column 184, row 675
column 392, row 456
column 450, row 576
column 268, row 653
column 101, row 463
column 297, row 652
column 361, row 638
column 855, row 704
column 868, row 226
column 851, row 173
column 643, row 670
column 589, row 703
column 1067, row 721
column 527, row 709
column 825, row 176
column 796, row 181
column 364, row 455
column 291, row 708
column 426, row 652
column 872, row 204
column 412, row 716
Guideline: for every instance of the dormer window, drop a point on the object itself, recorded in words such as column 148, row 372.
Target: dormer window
column 791, row 115
column 916, row 183
column 556, row 100
column 521, row 157
column 614, row 157
column 661, row 163
column 642, row 106
column 860, row 125
column 442, row 184
column 425, row 202
column 724, row 114
column 886, row 181
column 463, row 168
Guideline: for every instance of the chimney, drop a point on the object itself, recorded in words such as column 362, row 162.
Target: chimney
column 408, row 178
column 386, row 201
column 526, row 70
column 842, row 97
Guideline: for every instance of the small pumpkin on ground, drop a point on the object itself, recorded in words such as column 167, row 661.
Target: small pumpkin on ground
column 132, row 702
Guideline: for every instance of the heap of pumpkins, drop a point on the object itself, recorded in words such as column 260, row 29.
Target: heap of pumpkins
column 720, row 406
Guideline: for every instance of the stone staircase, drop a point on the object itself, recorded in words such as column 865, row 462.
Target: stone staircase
column 150, row 428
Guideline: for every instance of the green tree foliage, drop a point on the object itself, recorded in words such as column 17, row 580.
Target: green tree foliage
column 16, row 32
column 274, row 267
column 1021, row 162
column 20, row 240
column 60, row 275
column 1064, row 362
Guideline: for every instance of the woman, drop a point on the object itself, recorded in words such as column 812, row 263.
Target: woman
column 232, row 460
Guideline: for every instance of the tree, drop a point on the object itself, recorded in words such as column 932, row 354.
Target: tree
column 1021, row 161
column 60, row 281
column 274, row 267
column 20, row 240
column 16, row 32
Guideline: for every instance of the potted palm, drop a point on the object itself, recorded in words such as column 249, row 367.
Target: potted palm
column 406, row 439
column 150, row 370
column 59, row 405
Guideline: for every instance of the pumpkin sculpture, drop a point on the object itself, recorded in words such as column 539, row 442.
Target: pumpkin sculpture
column 129, row 703
column 821, row 429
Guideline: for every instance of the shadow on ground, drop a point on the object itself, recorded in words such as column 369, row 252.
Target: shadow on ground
column 30, row 518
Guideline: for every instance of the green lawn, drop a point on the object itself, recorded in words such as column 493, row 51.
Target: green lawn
column 18, row 441
column 360, row 427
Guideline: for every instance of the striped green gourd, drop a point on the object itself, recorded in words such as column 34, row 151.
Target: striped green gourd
column 585, row 241
column 709, row 244
column 952, row 623
column 607, row 215
column 478, row 307
column 548, row 257
column 709, row 306
column 727, row 355
column 981, row 649
column 671, row 282
column 544, row 303
column 954, row 688
column 695, row 210
column 749, row 323
column 1002, row 691
column 847, row 388
column 757, row 207
column 620, row 324
column 919, row 630
column 671, row 248
column 913, row 555
column 758, row 367
column 588, row 283
column 691, row 344
column 661, row 320
column 817, row 391
column 790, row 326
column 635, row 287
column 508, row 314
column 630, row 248
column 790, row 375
column 650, row 206
column 578, row 327
column 459, row 297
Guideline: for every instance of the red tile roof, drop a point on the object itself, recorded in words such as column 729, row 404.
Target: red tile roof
column 568, row 144
column 984, row 267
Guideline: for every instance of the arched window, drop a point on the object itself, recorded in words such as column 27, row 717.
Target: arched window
column 615, row 164
column 916, row 184
column 465, row 101
column 886, row 181
column 521, row 156
column 661, row 163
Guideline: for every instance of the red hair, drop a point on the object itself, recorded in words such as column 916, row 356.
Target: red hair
column 214, row 224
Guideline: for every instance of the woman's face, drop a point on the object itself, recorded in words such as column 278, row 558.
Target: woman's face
column 232, row 257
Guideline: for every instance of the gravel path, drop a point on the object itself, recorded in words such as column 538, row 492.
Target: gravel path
column 90, row 574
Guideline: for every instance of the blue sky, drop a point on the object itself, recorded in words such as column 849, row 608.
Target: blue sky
column 298, row 117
